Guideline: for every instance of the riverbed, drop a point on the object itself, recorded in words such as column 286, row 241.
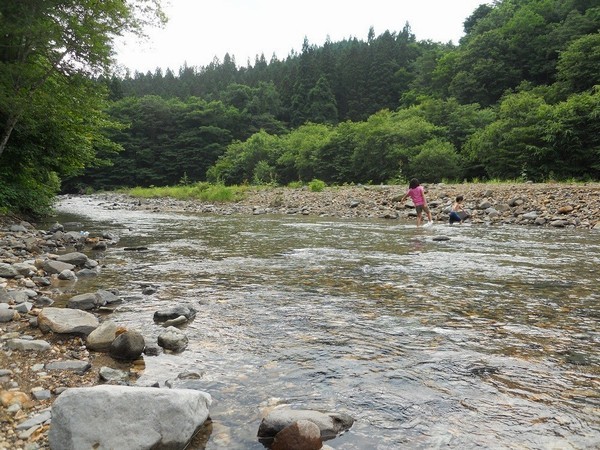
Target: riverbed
column 455, row 336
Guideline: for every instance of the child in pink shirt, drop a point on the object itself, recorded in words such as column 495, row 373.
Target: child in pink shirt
column 417, row 194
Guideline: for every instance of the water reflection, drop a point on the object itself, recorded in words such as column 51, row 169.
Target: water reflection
column 489, row 339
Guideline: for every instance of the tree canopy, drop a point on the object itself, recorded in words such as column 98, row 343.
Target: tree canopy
column 51, row 110
column 517, row 97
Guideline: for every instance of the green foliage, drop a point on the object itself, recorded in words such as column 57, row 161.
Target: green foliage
column 535, row 140
column 435, row 161
column 52, row 120
column 579, row 64
column 202, row 191
column 316, row 185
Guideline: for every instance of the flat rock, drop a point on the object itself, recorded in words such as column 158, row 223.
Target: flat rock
column 126, row 418
column 67, row 321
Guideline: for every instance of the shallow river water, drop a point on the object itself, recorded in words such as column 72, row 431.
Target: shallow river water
column 490, row 339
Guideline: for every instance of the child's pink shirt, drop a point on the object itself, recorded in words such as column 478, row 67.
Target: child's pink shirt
column 418, row 196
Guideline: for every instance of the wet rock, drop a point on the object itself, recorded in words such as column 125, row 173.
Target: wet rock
column 149, row 290
column 56, row 227
column 330, row 424
column 88, row 272
column 75, row 258
column 175, row 322
column 301, row 435
column 148, row 417
column 108, row 297
column 67, row 275
column 66, row 320
column 152, row 349
column 50, row 266
column 174, row 312
column 173, row 339
column 127, row 346
column 85, row 302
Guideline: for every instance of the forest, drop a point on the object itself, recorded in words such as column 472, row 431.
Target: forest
column 518, row 98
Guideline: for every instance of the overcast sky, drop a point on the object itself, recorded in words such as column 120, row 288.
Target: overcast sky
column 199, row 30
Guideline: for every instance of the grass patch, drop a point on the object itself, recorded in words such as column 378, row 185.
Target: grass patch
column 198, row 191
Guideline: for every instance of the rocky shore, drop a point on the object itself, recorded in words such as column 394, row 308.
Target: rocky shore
column 43, row 354
column 68, row 373
column 525, row 204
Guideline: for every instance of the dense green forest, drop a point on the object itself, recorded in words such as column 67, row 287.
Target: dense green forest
column 517, row 98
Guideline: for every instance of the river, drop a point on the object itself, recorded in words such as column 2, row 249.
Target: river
column 487, row 340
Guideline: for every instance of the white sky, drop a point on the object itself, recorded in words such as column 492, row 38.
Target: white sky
column 199, row 30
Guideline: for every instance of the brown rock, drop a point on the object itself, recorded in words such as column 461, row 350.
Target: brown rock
column 301, row 435
column 565, row 209
column 8, row 398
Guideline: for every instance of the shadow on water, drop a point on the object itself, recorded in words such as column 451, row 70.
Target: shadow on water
column 489, row 339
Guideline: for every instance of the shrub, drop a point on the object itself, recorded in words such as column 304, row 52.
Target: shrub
column 316, row 185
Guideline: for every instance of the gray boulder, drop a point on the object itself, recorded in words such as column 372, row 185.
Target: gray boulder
column 126, row 418
column 67, row 321
column 331, row 424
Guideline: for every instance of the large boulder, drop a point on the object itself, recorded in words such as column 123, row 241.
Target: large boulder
column 67, row 321
column 126, row 418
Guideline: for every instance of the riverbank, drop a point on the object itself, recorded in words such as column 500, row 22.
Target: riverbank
column 526, row 204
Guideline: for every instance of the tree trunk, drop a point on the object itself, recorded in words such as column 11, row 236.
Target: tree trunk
column 9, row 126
